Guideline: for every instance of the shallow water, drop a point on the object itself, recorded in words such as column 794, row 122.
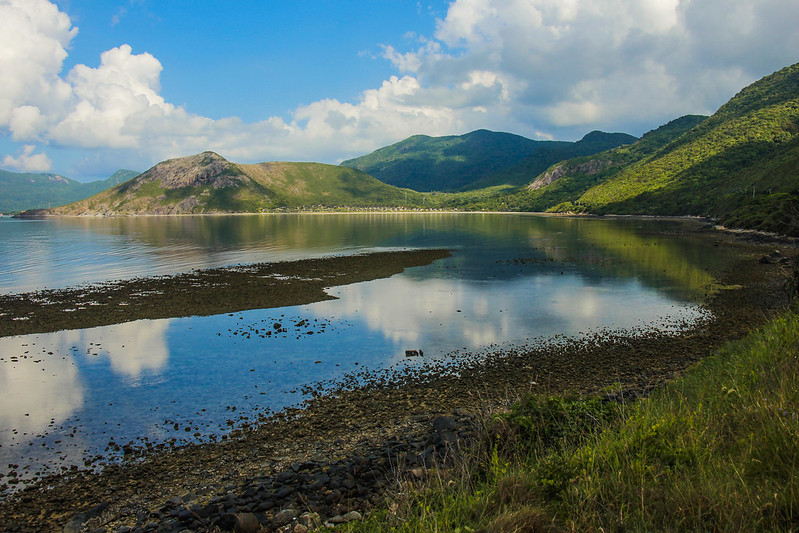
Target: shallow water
column 511, row 279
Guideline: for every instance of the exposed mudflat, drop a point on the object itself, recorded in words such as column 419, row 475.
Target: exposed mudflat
column 200, row 292
column 342, row 454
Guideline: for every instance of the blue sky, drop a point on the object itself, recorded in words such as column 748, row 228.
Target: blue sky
column 91, row 86
column 258, row 58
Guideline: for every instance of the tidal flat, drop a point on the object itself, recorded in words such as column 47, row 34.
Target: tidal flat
column 343, row 450
column 204, row 292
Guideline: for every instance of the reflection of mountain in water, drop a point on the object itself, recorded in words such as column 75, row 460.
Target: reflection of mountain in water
column 596, row 248
column 508, row 247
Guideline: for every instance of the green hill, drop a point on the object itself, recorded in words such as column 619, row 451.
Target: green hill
column 475, row 160
column 208, row 183
column 21, row 191
column 559, row 187
column 741, row 164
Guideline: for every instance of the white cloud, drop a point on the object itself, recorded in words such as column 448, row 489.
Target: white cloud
column 111, row 98
column 28, row 161
column 580, row 64
column 34, row 37
column 543, row 68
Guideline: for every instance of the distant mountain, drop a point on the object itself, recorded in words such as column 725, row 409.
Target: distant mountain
column 475, row 160
column 21, row 191
column 208, row 183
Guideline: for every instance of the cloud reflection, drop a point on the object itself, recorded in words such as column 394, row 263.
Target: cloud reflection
column 39, row 390
column 445, row 314
column 133, row 348
column 41, row 381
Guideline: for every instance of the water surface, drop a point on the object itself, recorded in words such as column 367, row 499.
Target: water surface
column 512, row 279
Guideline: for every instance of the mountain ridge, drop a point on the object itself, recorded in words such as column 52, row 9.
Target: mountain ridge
column 29, row 190
column 475, row 160
column 209, row 183
column 740, row 165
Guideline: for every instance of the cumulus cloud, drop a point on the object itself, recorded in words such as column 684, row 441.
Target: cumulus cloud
column 542, row 68
column 27, row 161
column 579, row 64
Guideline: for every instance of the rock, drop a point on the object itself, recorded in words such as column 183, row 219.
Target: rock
column 246, row 523
column 443, row 423
column 226, row 522
column 309, row 520
column 283, row 492
column 775, row 257
column 76, row 524
column 349, row 517
column 285, row 516
column 299, row 528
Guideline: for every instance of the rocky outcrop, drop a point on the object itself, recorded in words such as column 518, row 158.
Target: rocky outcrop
column 589, row 168
column 201, row 170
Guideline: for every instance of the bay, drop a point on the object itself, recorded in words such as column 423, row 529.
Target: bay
column 511, row 280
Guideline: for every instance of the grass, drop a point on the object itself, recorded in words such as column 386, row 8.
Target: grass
column 715, row 450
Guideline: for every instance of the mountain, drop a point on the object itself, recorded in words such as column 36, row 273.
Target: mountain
column 475, row 160
column 21, row 191
column 741, row 164
column 562, row 184
column 208, row 183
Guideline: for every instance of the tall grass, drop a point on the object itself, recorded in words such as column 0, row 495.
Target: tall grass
column 715, row 450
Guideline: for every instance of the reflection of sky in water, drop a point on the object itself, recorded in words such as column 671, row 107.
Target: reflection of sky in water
column 67, row 394
column 136, row 380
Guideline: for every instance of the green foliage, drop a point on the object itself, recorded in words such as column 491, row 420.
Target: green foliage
column 477, row 160
column 23, row 191
column 538, row 423
column 563, row 195
column 776, row 213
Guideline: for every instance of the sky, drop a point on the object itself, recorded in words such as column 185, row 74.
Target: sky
column 91, row 86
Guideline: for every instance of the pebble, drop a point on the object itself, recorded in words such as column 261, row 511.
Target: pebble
column 309, row 494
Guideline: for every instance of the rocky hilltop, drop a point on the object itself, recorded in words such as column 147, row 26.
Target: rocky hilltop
column 209, row 183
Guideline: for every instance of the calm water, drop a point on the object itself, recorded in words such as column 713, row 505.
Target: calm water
column 511, row 279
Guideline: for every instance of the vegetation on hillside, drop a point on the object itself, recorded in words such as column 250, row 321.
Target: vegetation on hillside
column 32, row 190
column 749, row 147
column 715, row 450
column 476, row 160
column 573, row 177
column 740, row 165
column 208, row 183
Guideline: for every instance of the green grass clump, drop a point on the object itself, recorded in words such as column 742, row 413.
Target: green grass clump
column 715, row 450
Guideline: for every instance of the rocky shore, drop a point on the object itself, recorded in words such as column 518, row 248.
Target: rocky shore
column 354, row 449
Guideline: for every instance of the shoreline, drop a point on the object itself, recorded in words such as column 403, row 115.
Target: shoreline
column 335, row 429
column 32, row 215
